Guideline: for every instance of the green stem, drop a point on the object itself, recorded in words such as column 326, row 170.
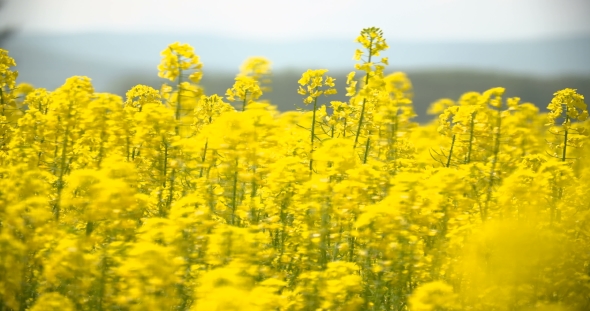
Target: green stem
column 244, row 102
column 101, row 289
column 392, row 152
column 179, row 100
column 565, row 138
column 563, row 158
column 205, row 151
column 254, row 216
column 171, row 191
column 128, row 143
column 234, row 195
column 62, row 169
column 367, row 146
column 451, row 151
column 26, row 289
column 325, row 236
column 351, row 240
column 494, row 161
column 162, row 212
column 101, row 148
column 358, row 131
column 471, row 126
column 315, row 103
column 165, row 162
column 40, row 153
column 203, row 157
column 89, row 227
column 2, row 99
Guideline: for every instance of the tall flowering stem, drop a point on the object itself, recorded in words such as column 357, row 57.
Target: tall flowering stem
column 450, row 156
column 208, row 109
column 69, row 101
column 373, row 41
column 446, row 122
column 246, row 89
column 315, row 85
column 570, row 106
column 7, row 78
column 495, row 100
column 177, row 59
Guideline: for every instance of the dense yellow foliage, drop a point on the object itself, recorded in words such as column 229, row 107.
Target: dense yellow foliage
column 173, row 200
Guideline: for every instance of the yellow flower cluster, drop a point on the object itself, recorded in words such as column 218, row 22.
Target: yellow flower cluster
column 172, row 199
column 179, row 58
column 314, row 81
column 259, row 68
column 247, row 88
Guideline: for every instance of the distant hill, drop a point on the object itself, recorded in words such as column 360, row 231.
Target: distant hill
column 533, row 69
column 102, row 55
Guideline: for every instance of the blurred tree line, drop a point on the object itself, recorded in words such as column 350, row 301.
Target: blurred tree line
column 7, row 30
column 429, row 86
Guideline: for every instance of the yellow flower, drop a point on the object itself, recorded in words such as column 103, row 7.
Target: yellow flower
column 433, row 296
column 372, row 39
column 572, row 102
column 53, row 302
column 358, row 54
column 314, row 80
column 178, row 58
column 246, row 89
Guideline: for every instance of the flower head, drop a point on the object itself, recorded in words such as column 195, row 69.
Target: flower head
column 314, row 80
column 572, row 102
column 177, row 58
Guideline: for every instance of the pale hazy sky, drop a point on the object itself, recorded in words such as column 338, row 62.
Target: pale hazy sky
column 480, row 20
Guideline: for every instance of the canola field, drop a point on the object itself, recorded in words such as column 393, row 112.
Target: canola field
column 174, row 199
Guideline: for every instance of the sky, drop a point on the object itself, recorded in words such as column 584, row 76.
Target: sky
column 282, row 20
